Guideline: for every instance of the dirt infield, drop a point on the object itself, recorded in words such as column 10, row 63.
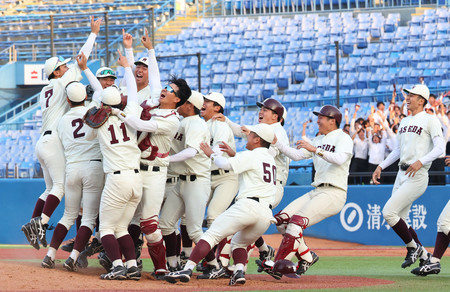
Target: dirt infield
column 17, row 273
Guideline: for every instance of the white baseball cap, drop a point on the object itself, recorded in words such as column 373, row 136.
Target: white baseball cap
column 143, row 60
column 216, row 97
column 419, row 89
column 53, row 63
column 264, row 131
column 76, row 91
column 111, row 96
column 105, row 72
column 196, row 99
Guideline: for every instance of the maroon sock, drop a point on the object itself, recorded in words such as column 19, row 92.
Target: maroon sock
column 414, row 235
column 127, row 247
column 171, row 244
column 240, row 256
column 135, row 232
column 58, row 236
column 200, row 250
column 259, row 242
column 38, row 208
column 83, row 236
column 187, row 242
column 220, row 247
column 441, row 244
column 78, row 222
column 178, row 248
column 210, row 256
column 111, row 246
column 50, row 205
column 402, row 230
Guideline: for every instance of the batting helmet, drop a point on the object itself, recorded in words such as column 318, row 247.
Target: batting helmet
column 286, row 267
column 330, row 112
column 273, row 105
column 111, row 96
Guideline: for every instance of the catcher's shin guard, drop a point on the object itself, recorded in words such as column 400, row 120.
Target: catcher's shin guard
column 157, row 252
column 289, row 242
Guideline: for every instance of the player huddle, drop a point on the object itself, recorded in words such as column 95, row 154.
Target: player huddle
column 139, row 159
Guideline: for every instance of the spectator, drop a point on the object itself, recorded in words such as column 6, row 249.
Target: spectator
column 359, row 161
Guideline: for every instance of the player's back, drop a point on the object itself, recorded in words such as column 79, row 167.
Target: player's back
column 72, row 132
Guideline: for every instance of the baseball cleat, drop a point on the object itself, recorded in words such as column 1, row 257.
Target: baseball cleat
column 427, row 269
column 202, row 266
column 183, row 276
column 48, row 263
column 70, row 265
column 69, row 247
column 40, row 230
column 238, row 278
column 412, row 255
column 104, row 261
column 95, row 246
column 267, row 267
column 30, row 235
column 423, row 262
column 118, row 273
column 174, row 269
column 214, row 273
column 303, row 265
column 159, row 274
column 267, row 255
column 133, row 273
column 183, row 259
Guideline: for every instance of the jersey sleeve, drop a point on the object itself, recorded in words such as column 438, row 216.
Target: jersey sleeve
column 242, row 162
column 167, row 125
column 435, row 127
column 345, row 145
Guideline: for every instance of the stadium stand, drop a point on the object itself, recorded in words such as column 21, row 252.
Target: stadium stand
column 287, row 57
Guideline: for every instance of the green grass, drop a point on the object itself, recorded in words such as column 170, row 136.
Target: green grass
column 387, row 268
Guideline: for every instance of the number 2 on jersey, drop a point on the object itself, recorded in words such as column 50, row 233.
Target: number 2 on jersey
column 113, row 134
column 270, row 173
column 78, row 123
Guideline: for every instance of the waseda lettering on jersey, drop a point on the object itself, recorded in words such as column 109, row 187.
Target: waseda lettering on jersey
column 411, row 129
column 329, row 148
column 178, row 136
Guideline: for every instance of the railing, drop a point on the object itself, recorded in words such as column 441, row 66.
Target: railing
column 257, row 7
column 14, row 112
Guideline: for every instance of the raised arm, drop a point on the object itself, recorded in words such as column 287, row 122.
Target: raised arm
column 128, row 45
column 95, row 29
column 129, row 79
column 154, row 78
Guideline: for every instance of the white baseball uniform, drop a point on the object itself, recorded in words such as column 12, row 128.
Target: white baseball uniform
column 224, row 183
column 191, row 193
column 53, row 105
column 281, row 160
column 251, row 215
column 123, row 186
column 419, row 138
column 443, row 222
column 330, row 181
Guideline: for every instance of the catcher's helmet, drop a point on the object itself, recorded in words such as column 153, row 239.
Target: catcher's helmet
column 273, row 105
column 331, row 112
column 286, row 268
column 111, row 96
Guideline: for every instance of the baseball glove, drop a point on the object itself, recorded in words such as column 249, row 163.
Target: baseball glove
column 96, row 117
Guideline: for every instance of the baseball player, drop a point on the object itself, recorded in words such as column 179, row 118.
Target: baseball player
column 433, row 264
column 146, row 71
column 84, row 172
column 224, row 183
column 420, row 141
column 49, row 150
column 193, row 167
column 123, row 185
column 106, row 76
column 251, row 215
column 158, row 125
column 331, row 152
column 271, row 113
